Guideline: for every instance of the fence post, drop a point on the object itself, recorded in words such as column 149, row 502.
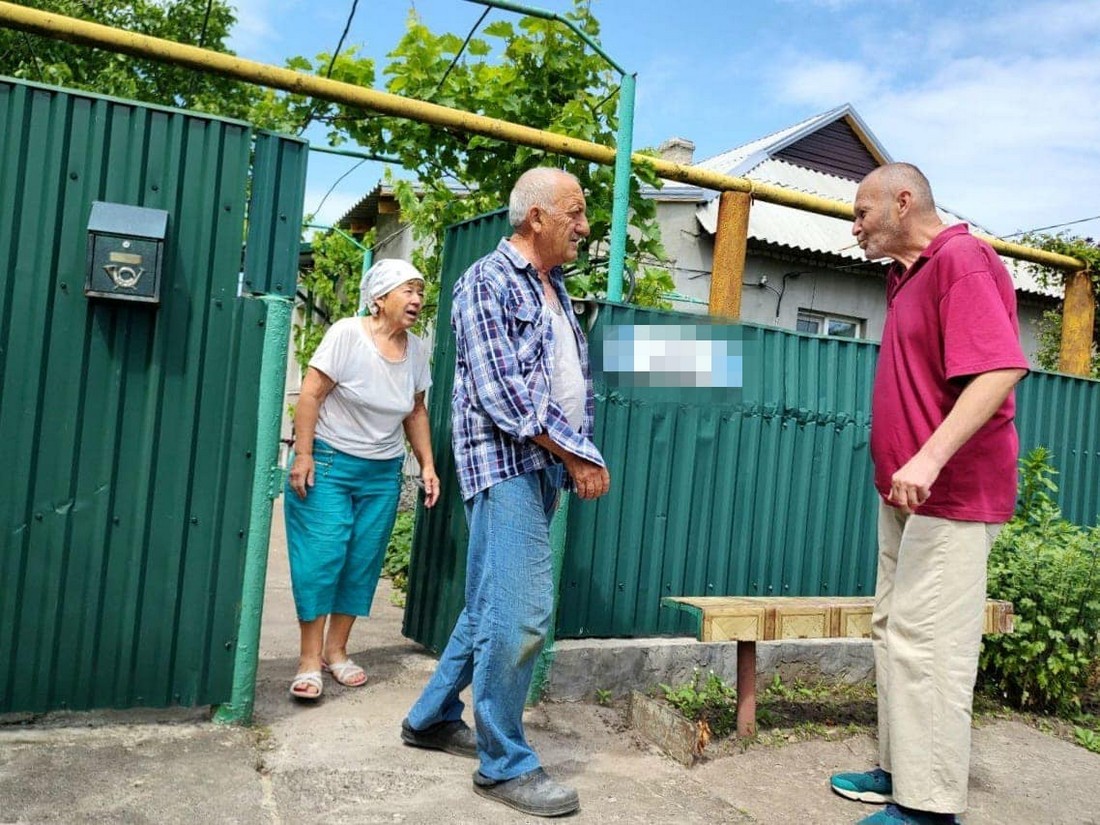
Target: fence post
column 267, row 482
column 730, row 245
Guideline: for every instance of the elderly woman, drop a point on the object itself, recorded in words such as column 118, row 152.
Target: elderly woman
column 365, row 384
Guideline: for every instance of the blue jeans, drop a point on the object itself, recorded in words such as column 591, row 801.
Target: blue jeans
column 337, row 535
column 500, row 633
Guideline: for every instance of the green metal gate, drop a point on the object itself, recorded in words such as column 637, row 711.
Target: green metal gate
column 130, row 428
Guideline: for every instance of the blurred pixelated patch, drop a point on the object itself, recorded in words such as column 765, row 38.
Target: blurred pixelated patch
column 703, row 356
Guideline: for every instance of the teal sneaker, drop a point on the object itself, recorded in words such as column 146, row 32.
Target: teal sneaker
column 873, row 786
column 897, row 815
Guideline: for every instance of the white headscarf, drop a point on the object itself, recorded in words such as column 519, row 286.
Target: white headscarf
column 381, row 278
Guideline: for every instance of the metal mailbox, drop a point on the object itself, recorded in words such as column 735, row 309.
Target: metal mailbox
column 125, row 252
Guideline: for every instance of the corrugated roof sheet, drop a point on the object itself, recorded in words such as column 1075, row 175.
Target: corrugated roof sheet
column 366, row 209
column 739, row 160
column 820, row 234
column 806, row 231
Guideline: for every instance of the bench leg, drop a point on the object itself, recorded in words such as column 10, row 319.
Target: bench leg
column 746, row 689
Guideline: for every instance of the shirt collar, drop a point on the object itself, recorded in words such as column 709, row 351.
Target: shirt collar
column 901, row 274
column 506, row 248
column 942, row 238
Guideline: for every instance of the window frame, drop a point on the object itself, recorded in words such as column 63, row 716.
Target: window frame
column 823, row 319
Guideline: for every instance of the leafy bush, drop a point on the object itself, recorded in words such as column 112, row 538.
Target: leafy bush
column 1049, row 569
column 1088, row 739
column 709, row 699
column 1049, row 327
column 331, row 288
column 396, row 564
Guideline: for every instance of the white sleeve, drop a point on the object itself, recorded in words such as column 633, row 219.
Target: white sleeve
column 331, row 356
column 423, row 375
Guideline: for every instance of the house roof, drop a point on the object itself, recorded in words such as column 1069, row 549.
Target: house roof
column 366, row 211
column 825, row 155
column 739, row 160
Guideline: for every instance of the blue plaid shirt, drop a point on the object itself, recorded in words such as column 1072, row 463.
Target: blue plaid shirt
column 504, row 359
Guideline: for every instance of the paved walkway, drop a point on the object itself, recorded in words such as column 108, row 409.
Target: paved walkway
column 342, row 761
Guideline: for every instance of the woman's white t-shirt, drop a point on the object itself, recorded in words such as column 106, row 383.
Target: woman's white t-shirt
column 362, row 414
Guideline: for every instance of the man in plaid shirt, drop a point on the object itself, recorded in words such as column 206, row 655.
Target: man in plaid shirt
column 523, row 418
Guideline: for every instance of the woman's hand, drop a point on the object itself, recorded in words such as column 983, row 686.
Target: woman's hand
column 301, row 474
column 431, row 486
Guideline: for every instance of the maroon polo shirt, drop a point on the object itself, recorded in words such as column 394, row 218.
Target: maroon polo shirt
column 950, row 316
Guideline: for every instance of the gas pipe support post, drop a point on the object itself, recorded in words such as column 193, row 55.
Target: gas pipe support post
column 1078, row 317
column 730, row 247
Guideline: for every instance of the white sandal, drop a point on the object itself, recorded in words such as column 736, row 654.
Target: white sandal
column 307, row 679
column 344, row 671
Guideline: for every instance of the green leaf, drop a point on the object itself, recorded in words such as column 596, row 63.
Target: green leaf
column 478, row 48
column 500, row 28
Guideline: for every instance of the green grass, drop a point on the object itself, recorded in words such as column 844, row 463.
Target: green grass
column 802, row 709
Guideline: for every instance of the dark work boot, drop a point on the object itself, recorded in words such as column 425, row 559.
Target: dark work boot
column 450, row 737
column 533, row 793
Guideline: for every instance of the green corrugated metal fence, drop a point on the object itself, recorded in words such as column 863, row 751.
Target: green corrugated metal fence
column 768, row 494
column 437, row 569
column 1063, row 414
column 771, row 495
column 764, row 494
column 129, row 428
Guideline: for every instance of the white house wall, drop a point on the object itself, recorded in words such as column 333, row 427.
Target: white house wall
column 690, row 250
column 393, row 238
column 1029, row 315
column 818, row 290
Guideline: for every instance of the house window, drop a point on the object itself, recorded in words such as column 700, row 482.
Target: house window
column 839, row 326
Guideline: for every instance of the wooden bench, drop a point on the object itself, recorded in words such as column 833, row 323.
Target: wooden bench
column 747, row 620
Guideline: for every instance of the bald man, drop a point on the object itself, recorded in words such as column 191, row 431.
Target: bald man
column 944, row 447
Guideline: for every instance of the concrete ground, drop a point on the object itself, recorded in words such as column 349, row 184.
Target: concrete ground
column 342, row 761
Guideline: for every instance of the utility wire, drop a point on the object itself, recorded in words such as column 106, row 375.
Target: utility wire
column 465, row 43
column 599, row 105
column 328, row 72
column 34, row 56
column 340, row 44
column 205, row 23
column 337, row 183
column 201, row 45
column 1052, row 226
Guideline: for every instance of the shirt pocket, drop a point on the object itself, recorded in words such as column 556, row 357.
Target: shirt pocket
column 530, row 334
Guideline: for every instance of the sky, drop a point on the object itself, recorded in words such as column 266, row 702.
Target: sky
column 998, row 102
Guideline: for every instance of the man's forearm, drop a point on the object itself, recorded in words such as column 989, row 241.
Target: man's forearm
column 911, row 485
column 977, row 403
column 547, row 443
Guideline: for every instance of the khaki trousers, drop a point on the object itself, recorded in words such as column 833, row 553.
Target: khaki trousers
column 926, row 631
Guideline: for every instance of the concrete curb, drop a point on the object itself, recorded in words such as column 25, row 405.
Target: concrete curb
column 582, row 667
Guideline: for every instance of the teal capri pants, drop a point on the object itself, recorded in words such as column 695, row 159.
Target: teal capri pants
column 337, row 536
